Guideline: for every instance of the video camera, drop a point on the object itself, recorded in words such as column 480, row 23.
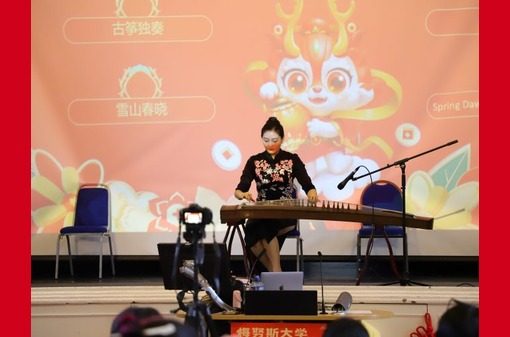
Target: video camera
column 195, row 218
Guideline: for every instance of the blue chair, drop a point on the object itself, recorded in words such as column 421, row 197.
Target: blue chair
column 91, row 219
column 379, row 194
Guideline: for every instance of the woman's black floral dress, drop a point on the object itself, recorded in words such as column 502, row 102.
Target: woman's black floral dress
column 274, row 179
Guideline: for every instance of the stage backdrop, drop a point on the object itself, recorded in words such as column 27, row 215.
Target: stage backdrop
column 164, row 100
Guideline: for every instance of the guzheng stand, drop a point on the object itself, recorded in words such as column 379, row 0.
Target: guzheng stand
column 233, row 228
column 405, row 280
column 235, row 215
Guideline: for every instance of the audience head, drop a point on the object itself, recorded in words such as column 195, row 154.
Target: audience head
column 345, row 327
column 460, row 320
column 146, row 321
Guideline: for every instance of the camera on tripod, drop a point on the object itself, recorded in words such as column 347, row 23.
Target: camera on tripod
column 195, row 218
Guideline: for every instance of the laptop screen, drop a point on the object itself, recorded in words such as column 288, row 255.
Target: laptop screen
column 285, row 280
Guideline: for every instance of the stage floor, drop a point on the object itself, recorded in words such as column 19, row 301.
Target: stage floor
column 434, row 273
column 77, row 309
column 86, row 306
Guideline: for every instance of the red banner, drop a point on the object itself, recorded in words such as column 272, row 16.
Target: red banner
column 277, row 329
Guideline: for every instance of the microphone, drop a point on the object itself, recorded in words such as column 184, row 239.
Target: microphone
column 344, row 182
column 323, row 311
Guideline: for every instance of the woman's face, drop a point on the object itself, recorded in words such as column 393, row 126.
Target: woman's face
column 272, row 142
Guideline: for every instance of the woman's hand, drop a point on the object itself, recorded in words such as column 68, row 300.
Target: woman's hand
column 244, row 195
column 312, row 195
column 248, row 196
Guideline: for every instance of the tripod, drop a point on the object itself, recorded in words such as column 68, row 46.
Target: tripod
column 405, row 279
column 198, row 314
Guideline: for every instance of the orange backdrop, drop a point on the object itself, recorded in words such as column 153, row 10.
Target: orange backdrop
column 164, row 101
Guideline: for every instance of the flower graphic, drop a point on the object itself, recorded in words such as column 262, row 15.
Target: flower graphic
column 54, row 189
column 167, row 213
column 450, row 209
column 130, row 209
column 439, row 195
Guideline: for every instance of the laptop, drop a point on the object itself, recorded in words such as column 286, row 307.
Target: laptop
column 285, row 280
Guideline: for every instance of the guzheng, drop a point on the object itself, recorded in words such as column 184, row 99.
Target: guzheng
column 321, row 210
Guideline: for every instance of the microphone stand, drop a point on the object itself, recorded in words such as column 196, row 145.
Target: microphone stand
column 405, row 280
column 323, row 311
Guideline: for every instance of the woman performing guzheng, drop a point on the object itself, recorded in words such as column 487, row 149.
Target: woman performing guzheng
column 274, row 171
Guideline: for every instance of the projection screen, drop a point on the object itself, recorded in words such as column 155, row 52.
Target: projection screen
column 163, row 101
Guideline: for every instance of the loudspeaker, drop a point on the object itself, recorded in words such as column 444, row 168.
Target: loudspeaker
column 280, row 302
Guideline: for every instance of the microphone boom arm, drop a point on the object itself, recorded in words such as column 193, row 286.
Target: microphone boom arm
column 404, row 160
